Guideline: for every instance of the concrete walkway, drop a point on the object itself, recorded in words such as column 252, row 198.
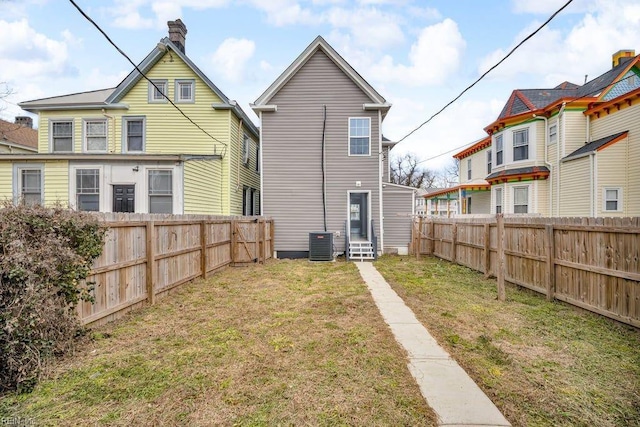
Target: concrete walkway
column 452, row 394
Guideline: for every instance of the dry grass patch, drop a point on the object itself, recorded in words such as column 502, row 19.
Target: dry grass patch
column 289, row 343
column 542, row 363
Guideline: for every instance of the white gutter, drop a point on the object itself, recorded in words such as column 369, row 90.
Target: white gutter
column 380, row 201
column 260, row 108
column 261, row 169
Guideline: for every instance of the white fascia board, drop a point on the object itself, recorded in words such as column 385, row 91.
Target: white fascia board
column 266, row 107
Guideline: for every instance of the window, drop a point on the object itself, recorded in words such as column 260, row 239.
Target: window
column 248, row 201
column 469, row 169
column 521, row 200
column 158, row 92
column 257, row 158
column 95, row 135
column 521, row 145
column 488, row 161
column 88, row 189
column 62, row 136
column 553, row 134
column 184, row 91
column 498, row 194
column 133, row 134
column 359, row 136
column 246, row 146
column 499, row 150
column 30, row 186
column 160, row 191
column 612, row 199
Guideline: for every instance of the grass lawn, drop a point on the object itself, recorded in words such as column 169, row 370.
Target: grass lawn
column 288, row 343
column 542, row 363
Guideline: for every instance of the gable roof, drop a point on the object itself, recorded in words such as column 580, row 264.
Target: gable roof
column 597, row 145
column 321, row 44
column 478, row 145
column 17, row 134
column 110, row 98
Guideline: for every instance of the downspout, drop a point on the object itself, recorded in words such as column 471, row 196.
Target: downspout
column 323, row 165
column 592, row 158
column 560, row 139
column 380, row 195
column 261, row 170
column 113, row 129
column 546, row 160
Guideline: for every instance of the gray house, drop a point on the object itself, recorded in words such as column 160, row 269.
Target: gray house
column 325, row 162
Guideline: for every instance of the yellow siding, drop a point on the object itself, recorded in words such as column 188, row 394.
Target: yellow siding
column 612, row 172
column 56, row 182
column 575, row 187
column 6, row 179
column 203, row 187
column 241, row 174
column 617, row 121
column 539, row 128
column 542, row 197
column 574, row 131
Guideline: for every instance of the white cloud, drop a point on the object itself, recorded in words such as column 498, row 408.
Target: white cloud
column 368, row 27
column 127, row 12
column 231, row 57
column 286, row 12
column 538, row 6
column 556, row 55
column 435, row 54
column 30, row 53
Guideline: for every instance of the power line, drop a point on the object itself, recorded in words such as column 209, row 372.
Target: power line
column 487, row 72
column 597, row 90
column 88, row 18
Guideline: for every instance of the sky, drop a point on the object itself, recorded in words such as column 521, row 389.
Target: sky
column 418, row 54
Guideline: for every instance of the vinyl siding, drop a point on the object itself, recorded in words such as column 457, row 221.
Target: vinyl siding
column 6, row 180
column 56, row 182
column 480, row 202
column 613, row 173
column 575, row 199
column 241, row 174
column 617, row 121
column 478, row 167
column 398, row 217
column 542, row 197
column 292, row 155
column 386, row 173
column 203, row 187
column 575, row 124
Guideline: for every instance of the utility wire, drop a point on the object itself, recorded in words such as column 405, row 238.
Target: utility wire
column 487, row 72
column 588, row 94
column 88, row 18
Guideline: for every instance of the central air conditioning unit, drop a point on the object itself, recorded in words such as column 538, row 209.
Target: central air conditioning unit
column 321, row 246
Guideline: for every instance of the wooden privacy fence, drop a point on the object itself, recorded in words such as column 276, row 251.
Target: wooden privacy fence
column 145, row 256
column 592, row 263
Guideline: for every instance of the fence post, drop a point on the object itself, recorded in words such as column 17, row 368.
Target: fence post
column 501, row 269
column 203, row 251
column 551, row 262
column 234, row 242
column 431, row 235
column 454, row 241
column 487, row 250
column 272, row 233
column 151, row 270
column 418, row 243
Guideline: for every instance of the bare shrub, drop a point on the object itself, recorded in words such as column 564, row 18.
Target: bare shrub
column 45, row 255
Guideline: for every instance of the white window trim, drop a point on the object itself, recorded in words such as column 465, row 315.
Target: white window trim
column 349, row 138
column 258, row 158
column 246, row 149
column 73, row 132
column 513, row 199
column 551, row 126
column 85, row 148
column 489, row 161
column 514, row 146
column 501, row 137
column 124, row 133
column 174, row 195
column 469, row 170
column 604, row 199
column 73, row 190
column 495, row 200
column 17, row 179
column 176, row 91
column 152, row 88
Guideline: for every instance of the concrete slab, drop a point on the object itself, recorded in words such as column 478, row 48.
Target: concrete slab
column 447, row 388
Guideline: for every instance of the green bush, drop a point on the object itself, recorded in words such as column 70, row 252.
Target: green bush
column 45, row 255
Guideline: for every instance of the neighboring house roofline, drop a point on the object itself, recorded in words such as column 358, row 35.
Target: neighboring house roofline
column 616, row 103
column 519, row 174
column 378, row 101
column 474, row 148
column 404, row 187
column 16, row 135
column 595, row 146
column 92, row 98
column 477, row 186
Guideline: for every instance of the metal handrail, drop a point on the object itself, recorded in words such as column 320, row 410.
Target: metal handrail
column 374, row 240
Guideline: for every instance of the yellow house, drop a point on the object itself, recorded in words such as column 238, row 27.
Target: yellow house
column 165, row 140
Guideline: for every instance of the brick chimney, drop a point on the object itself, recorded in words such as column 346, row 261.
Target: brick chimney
column 622, row 56
column 25, row 121
column 177, row 33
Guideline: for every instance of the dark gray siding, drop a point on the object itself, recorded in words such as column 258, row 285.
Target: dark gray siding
column 398, row 207
column 292, row 154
